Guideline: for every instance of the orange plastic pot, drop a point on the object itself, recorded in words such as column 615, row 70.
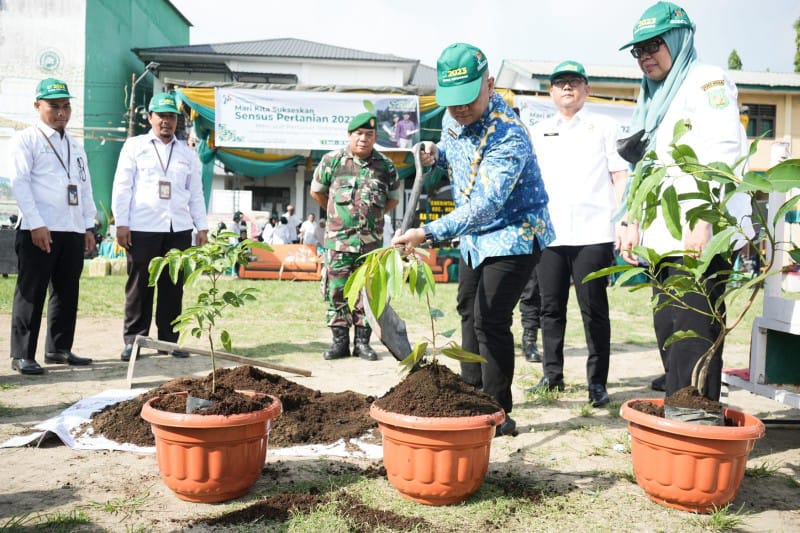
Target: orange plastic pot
column 211, row 458
column 691, row 467
column 436, row 461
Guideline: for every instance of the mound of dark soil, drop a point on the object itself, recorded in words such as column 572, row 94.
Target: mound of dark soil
column 309, row 416
column 690, row 398
column 278, row 507
column 436, row 391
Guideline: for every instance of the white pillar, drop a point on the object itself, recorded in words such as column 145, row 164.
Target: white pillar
column 299, row 191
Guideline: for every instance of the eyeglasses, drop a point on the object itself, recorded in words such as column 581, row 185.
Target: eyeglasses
column 563, row 82
column 650, row 47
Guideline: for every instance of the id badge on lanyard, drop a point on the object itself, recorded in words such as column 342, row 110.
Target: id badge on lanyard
column 72, row 194
column 164, row 186
column 164, row 190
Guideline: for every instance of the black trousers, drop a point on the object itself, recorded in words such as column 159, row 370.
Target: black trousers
column 556, row 266
column 680, row 357
column 487, row 296
column 530, row 303
column 60, row 271
column 145, row 245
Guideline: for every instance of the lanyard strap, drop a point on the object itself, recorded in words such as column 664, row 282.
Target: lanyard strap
column 69, row 154
column 164, row 169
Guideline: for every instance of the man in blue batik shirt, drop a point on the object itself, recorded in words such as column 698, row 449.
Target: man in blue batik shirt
column 501, row 214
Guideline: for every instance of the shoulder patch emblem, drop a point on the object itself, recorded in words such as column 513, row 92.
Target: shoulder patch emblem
column 718, row 98
column 712, row 84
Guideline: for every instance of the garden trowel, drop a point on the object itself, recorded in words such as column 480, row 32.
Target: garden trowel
column 390, row 328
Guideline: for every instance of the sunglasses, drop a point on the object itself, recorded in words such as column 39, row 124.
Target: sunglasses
column 563, row 82
column 650, row 47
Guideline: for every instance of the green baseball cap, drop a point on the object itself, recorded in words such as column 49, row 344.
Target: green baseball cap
column 460, row 73
column 365, row 120
column 658, row 19
column 163, row 103
column 569, row 67
column 51, row 88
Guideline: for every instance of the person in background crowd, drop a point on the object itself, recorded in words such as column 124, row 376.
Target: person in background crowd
column 282, row 233
column 585, row 179
column 157, row 200
column 308, row 231
column 51, row 182
column 269, row 230
column 293, row 221
column 500, row 215
column 356, row 185
column 676, row 86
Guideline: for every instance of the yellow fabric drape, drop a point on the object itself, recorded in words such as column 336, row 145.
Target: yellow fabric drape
column 200, row 95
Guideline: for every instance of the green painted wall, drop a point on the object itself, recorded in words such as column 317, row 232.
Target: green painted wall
column 113, row 28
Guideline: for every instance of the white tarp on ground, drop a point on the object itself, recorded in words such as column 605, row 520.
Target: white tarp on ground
column 69, row 427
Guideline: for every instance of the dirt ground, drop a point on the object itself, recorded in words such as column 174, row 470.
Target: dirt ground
column 555, row 443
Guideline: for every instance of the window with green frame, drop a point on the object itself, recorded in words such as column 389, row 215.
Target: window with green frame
column 761, row 120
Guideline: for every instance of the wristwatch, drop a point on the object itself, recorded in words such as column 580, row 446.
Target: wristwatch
column 429, row 240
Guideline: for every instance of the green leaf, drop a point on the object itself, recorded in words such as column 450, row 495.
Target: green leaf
column 369, row 106
column 679, row 336
column 754, row 182
column 785, row 175
column 449, row 333
column 672, row 212
column 795, row 255
column 718, row 243
column 175, row 264
column 155, row 267
column 680, row 129
column 454, row 351
column 632, row 272
column 608, row 271
column 787, row 206
column 436, row 314
column 225, row 337
column 354, row 284
column 417, row 353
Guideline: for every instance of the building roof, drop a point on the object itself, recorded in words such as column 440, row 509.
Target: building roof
column 630, row 75
column 285, row 48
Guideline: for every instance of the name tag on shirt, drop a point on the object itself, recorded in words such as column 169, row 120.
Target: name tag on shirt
column 164, row 190
column 552, row 134
column 72, row 195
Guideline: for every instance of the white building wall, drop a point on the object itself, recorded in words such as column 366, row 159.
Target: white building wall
column 39, row 39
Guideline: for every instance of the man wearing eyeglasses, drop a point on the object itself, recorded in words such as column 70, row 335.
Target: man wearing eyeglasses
column 585, row 179
column 676, row 86
column 501, row 215
column 157, row 200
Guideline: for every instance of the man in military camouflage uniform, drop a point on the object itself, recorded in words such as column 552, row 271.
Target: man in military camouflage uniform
column 356, row 185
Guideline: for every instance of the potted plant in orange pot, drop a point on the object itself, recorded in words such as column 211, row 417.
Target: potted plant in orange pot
column 694, row 459
column 437, row 430
column 210, row 445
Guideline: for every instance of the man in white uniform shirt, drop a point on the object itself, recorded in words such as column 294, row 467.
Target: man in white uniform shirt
column 157, row 200
column 51, row 182
column 293, row 221
column 585, row 178
column 308, row 231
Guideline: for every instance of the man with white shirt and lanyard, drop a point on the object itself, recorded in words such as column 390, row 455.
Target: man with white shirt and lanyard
column 157, row 200
column 53, row 189
column 585, row 179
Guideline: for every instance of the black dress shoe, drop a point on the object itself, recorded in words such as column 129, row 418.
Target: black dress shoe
column 180, row 354
column 127, row 351
column 66, row 358
column 660, row 383
column 26, row 366
column 598, row 395
column 545, row 384
column 508, row 427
